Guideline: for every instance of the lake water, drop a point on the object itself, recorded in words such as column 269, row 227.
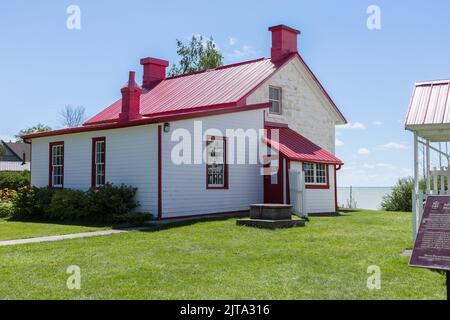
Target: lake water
column 365, row 197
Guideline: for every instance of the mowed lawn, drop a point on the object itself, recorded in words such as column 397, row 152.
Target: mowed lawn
column 10, row 230
column 327, row 259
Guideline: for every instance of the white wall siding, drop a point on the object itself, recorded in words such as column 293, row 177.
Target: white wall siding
column 319, row 200
column 184, row 186
column 303, row 107
column 14, row 166
column 131, row 159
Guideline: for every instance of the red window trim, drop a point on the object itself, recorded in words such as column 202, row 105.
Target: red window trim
column 50, row 164
column 225, row 151
column 93, row 167
column 318, row 186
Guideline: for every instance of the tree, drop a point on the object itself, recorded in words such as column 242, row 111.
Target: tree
column 72, row 117
column 37, row 128
column 2, row 150
column 400, row 198
column 197, row 55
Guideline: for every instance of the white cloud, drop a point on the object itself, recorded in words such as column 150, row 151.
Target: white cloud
column 377, row 123
column 363, row 151
column 338, row 143
column 244, row 52
column 372, row 174
column 392, row 146
column 355, row 125
column 232, row 41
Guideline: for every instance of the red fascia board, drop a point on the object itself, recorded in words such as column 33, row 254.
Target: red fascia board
column 140, row 122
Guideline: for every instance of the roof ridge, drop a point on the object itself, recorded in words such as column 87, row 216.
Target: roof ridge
column 217, row 68
column 430, row 82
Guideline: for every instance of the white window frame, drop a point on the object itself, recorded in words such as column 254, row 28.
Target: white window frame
column 215, row 161
column 278, row 89
column 315, row 170
column 99, row 163
column 57, row 153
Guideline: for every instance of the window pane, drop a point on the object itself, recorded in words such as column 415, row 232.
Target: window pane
column 274, row 93
column 309, row 172
column 216, row 162
column 321, row 174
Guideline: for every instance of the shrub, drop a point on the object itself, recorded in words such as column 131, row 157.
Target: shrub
column 109, row 200
column 14, row 180
column 67, row 204
column 32, row 202
column 400, row 198
column 107, row 204
column 6, row 209
column 7, row 194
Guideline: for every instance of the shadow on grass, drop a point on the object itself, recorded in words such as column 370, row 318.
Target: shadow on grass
column 158, row 225
column 80, row 223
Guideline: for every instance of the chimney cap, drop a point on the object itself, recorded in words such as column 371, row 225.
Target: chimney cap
column 285, row 27
column 150, row 60
column 131, row 83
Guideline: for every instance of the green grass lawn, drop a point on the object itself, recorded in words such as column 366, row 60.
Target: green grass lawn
column 327, row 259
column 10, row 230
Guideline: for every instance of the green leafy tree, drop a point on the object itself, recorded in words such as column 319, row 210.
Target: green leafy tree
column 197, row 55
column 37, row 128
column 2, row 150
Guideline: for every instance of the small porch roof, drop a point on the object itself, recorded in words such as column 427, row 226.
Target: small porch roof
column 429, row 110
column 296, row 147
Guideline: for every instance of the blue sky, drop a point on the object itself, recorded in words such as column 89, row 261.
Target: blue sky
column 369, row 73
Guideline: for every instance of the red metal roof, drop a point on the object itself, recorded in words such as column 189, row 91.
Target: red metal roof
column 296, row 147
column 209, row 89
column 199, row 90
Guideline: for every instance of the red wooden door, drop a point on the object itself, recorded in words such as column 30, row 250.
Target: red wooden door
column 273, row 185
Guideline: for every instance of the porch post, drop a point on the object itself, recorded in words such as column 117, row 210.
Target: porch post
column 427, row 176
column 415, row 203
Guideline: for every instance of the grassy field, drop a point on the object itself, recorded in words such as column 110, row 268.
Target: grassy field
column 327, row 259
column 10, row 230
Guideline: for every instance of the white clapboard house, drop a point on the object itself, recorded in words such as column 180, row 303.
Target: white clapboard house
column 137, row 140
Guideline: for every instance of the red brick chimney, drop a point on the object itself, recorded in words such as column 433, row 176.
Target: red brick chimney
column 154, row 71
column 284, row 42
column 131, row 94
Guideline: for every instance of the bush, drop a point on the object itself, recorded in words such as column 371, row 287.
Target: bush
column 106, row 204
column 31, row 202
column 400, row 198
column 14, row 180
column 6, row 209
column 109, row 200
column 7, row 194
column 67, row 204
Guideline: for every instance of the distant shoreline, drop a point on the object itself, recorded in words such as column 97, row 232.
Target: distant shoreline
column 365, row 187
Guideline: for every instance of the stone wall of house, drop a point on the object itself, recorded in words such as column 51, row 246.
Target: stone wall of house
column 303, row 106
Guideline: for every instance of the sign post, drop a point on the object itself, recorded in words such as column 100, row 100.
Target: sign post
column 432, row 246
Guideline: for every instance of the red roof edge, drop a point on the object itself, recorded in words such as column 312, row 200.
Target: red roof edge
column 144, row 121
column 322, row 88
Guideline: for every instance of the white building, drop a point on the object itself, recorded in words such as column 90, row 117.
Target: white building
column 137, row 140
